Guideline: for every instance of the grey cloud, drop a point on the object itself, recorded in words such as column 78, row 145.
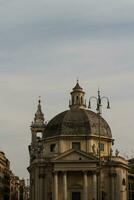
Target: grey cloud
column 45, row 46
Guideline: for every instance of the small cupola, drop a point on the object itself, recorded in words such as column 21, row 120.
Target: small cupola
column 77, row 97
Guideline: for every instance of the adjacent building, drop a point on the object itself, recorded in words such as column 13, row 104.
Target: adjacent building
column 11, row 187
column 4, row 177
column 18, row 189
column 71, row 156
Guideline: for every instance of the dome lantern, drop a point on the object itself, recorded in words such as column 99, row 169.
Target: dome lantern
column 77, row 97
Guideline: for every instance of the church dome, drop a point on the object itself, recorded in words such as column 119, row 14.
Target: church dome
column 77, row 122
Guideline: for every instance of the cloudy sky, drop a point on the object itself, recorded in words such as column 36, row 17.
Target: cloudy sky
column 45, row 46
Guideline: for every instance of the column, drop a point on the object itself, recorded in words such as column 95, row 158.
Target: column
column 85, row 186
column 65, row 185
column 55, row 185
column 37, row 183
column 112, row 185
column 94, row 186
column 41, row 182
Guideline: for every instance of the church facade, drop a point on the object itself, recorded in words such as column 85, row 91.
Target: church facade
column 71, row 156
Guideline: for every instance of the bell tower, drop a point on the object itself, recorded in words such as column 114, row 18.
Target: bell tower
column 36, row 154
column 77, row 97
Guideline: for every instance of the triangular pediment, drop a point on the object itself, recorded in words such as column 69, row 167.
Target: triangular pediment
column 75, row 155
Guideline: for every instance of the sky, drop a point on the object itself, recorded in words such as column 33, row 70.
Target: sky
column 44, row 47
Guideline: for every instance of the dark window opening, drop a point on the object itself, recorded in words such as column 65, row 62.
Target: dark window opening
column 81, row 100
column 76, row 145
column 102, row 147
column 77, row 99
column 123, row 182
column 53, row 147
column 73, row 100
column 76, row 196
column 104, row 195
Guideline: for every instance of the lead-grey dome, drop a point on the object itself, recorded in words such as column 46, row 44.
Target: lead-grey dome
column 77, row 122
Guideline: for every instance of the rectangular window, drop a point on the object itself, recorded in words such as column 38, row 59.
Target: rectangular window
column 76, row 196
column 53, row 147
column 101, row 147
column 76, row 145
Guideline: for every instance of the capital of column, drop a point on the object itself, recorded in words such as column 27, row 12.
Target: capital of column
column 85, row 172
column 64, row 172
column 94, row 173
column 55, row 172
